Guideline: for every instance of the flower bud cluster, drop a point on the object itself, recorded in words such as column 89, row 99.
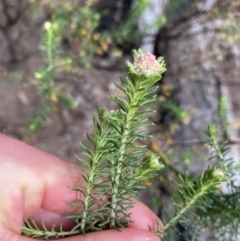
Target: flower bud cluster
column 219, row 174
column 146, row 64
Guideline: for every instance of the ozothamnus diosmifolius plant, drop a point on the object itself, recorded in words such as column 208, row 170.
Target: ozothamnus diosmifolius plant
column 201, row 205
column 51, row 95
column 115, row 165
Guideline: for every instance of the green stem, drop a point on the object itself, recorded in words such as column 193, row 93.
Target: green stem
column 48, row 234
column 117, row 175
column 49, row 48
column 201, row 192
column 90, row 184
column 117, row 165
column 89, row 192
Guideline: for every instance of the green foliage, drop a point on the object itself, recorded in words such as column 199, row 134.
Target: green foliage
column 116, row 166
column 223, row 112
column 194, row 191
column 81, row 24
column 127, row 31
column 201, row 204
column 81, row 33
column 51, row 95
column 84, row 34
column 31, row 229
column 115, row 156
column 77, row 25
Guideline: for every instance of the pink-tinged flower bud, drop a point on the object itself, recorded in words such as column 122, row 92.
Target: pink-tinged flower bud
column 146, row 64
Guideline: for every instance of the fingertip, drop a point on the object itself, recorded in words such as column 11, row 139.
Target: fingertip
column 133, row 234
column 144, row 218
column 127, row 234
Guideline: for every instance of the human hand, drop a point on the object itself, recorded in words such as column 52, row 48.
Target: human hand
column 34, row 184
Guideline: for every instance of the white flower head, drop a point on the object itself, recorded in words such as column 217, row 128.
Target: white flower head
column 47, row 25
column 146, row 64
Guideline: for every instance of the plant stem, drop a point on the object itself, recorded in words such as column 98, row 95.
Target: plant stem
column 48, row 234
column 118, row 163
column 49, row 48
column 90, row 188
column 195, row 198
column 117, row 175
column 95, row 158
column 89, row 191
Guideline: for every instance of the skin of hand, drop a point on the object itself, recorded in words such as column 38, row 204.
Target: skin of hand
column 38, row 185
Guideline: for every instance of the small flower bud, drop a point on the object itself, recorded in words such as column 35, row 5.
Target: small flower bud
column 154, row 162
column 47, row 25
column 146, row 65
column 219, row 174
column 39, row 75
column 216, row 174
column 150, row 165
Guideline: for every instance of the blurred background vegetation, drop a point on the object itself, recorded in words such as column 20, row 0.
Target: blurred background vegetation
column 59, row 59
